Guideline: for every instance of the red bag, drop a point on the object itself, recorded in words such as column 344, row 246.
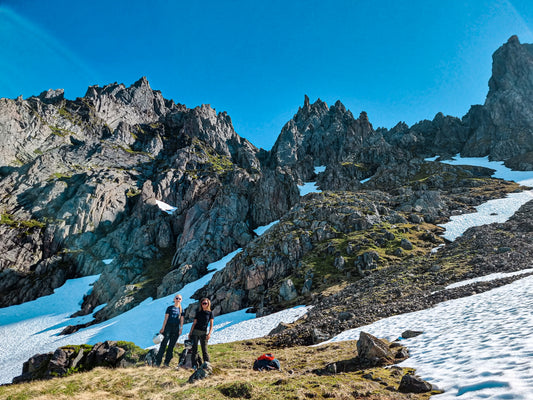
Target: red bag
column 267, row 356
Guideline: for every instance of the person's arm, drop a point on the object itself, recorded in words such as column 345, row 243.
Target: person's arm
column 211, row 321
column 164, row 324
column 192, row 328
column 182, row 320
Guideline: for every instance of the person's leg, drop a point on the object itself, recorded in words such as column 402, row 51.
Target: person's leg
column 161, row 351
column 194, row 349
column 170, row 349
column 203, row 344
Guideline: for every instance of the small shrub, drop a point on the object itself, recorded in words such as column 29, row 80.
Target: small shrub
column 237, row 390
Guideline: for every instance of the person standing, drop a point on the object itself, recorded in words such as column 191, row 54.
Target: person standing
column 171, row 330
column 203, row 318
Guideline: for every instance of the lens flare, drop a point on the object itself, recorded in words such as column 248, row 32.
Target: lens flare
column 31, row 60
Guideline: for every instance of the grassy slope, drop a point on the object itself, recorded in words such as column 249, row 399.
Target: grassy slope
column 233, row 378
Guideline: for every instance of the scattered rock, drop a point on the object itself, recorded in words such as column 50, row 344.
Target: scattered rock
column 411, row 334
column 406, row 244
column 372, row 350
column 287, row 291
column 414, row 384
column 202, row 372
column 345, row 316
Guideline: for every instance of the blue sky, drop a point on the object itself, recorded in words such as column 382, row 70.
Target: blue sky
column 398, row 61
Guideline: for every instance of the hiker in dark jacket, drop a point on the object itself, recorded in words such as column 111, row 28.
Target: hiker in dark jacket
column 204, row 318
column 172, row 327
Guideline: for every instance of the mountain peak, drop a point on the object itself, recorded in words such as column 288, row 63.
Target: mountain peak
column 143, row 82
column 513, row 40
column 51, row 96
column 306, row 101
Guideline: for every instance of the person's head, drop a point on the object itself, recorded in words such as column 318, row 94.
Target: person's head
column 205, row 304
column 177, row 300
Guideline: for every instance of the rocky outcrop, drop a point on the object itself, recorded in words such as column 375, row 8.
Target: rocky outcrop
column 69, row 359
column 371, row 352
column 319, row 135
column 267, row 260
column 503, row 126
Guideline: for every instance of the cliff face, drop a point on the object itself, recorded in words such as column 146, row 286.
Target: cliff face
column 82, row 181
column 503, row 126
column 319, row 135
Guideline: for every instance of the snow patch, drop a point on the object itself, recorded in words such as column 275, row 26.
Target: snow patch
column 467, row 340
column 497, row 210
column 262, row 229
column 490, row 277
column 308, row 187
column 166, row 207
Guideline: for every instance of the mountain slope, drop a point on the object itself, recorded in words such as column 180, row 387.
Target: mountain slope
column 82, row 181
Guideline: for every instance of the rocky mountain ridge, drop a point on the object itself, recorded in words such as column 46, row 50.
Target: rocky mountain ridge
column 80, row 182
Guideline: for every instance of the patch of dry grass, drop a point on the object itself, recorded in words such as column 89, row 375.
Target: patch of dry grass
column 233, row 377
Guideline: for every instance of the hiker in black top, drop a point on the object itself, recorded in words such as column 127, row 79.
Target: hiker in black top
column 204, row 317
column 172, row 326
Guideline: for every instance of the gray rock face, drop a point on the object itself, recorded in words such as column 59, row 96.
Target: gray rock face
column 80, row 181
column 321, row 135
column 445, row 135
column 503, row 127
column 287, row 291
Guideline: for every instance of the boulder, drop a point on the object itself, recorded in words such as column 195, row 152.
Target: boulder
column 372, row 350
column 287, row 290
column 201, row 373
column 411, row 334
column 414, row 384
column 406, row 244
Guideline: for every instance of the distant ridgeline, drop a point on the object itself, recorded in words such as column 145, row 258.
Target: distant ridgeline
column 81, row 180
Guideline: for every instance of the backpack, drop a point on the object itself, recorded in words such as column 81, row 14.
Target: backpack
column 267, row 362
column 186, row 361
